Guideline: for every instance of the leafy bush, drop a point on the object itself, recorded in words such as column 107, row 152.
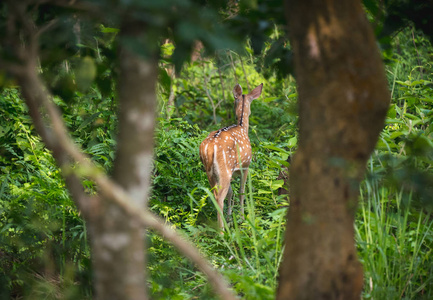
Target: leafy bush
column 43, row 243
column 394, row 224
column 42, row 233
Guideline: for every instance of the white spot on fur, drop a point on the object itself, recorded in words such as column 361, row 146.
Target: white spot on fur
column 215, row 162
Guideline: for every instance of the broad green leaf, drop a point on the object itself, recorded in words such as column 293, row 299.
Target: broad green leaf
column 281, row 162
column 416, row 82
column 406, row 83
column 293, row 142
column 109, row 29
column 411, row 116
column 427, row 99
column 269, row 99
column 396, row 134
column 4, row 130
column 392, row 113
column 164, row 79
column 88, row 120
column 275, row 148
column 277, row 184
column 260, row 191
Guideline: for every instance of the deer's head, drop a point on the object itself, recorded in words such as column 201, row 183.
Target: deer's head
column 243, row 102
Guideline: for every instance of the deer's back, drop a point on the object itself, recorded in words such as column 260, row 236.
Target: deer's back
column 229, row 146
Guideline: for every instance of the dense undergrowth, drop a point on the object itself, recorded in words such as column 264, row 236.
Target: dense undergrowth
column 44, row 252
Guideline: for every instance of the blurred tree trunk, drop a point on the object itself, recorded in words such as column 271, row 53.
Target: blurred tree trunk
column 343, row 99
column 118, row 237
column 117, row 213
column 284, row 175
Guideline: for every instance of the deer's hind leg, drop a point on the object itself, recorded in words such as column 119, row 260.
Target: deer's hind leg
column 230, row 200
column 223, row 189
column 244, row 176
column 212, row 181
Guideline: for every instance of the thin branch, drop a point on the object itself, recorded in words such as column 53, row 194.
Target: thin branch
column 209, row 96
column 233, row 66
column 245, row 73
column 220, row 76
column 46, row 27
column 28, row 31
column 219, row 102
column 417, row 53
column 112, row 191
column 57, row 137
column 171, row 97
column 32, row 91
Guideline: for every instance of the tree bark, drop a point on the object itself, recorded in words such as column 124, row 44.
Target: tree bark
column 117, row 216
column 54, row 133
column 118, row 237
column 343, row 100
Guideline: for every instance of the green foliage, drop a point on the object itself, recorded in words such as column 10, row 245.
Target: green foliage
column 205, row 82
column 405, row 151
column 43, row 243
column 395, row 245
column 264, row 23
column 42, row 234
column 394, row 224
column 177, row 170
column 250, row 251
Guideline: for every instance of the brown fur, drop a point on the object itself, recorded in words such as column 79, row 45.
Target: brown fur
column 227, row 152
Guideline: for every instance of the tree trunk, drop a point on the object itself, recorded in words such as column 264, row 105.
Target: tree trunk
column 118, row 237
column 343, row 98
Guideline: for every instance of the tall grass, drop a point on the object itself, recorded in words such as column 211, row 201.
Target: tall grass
column 394, row 244
column 249, row 250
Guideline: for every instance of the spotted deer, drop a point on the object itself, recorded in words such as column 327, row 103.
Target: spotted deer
column 227, row 152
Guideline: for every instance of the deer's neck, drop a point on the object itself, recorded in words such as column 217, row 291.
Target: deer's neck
column 243, row 119
column 244, row 123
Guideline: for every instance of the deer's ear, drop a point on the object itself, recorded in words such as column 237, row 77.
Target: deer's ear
column 256, row 92
column 237, row 91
